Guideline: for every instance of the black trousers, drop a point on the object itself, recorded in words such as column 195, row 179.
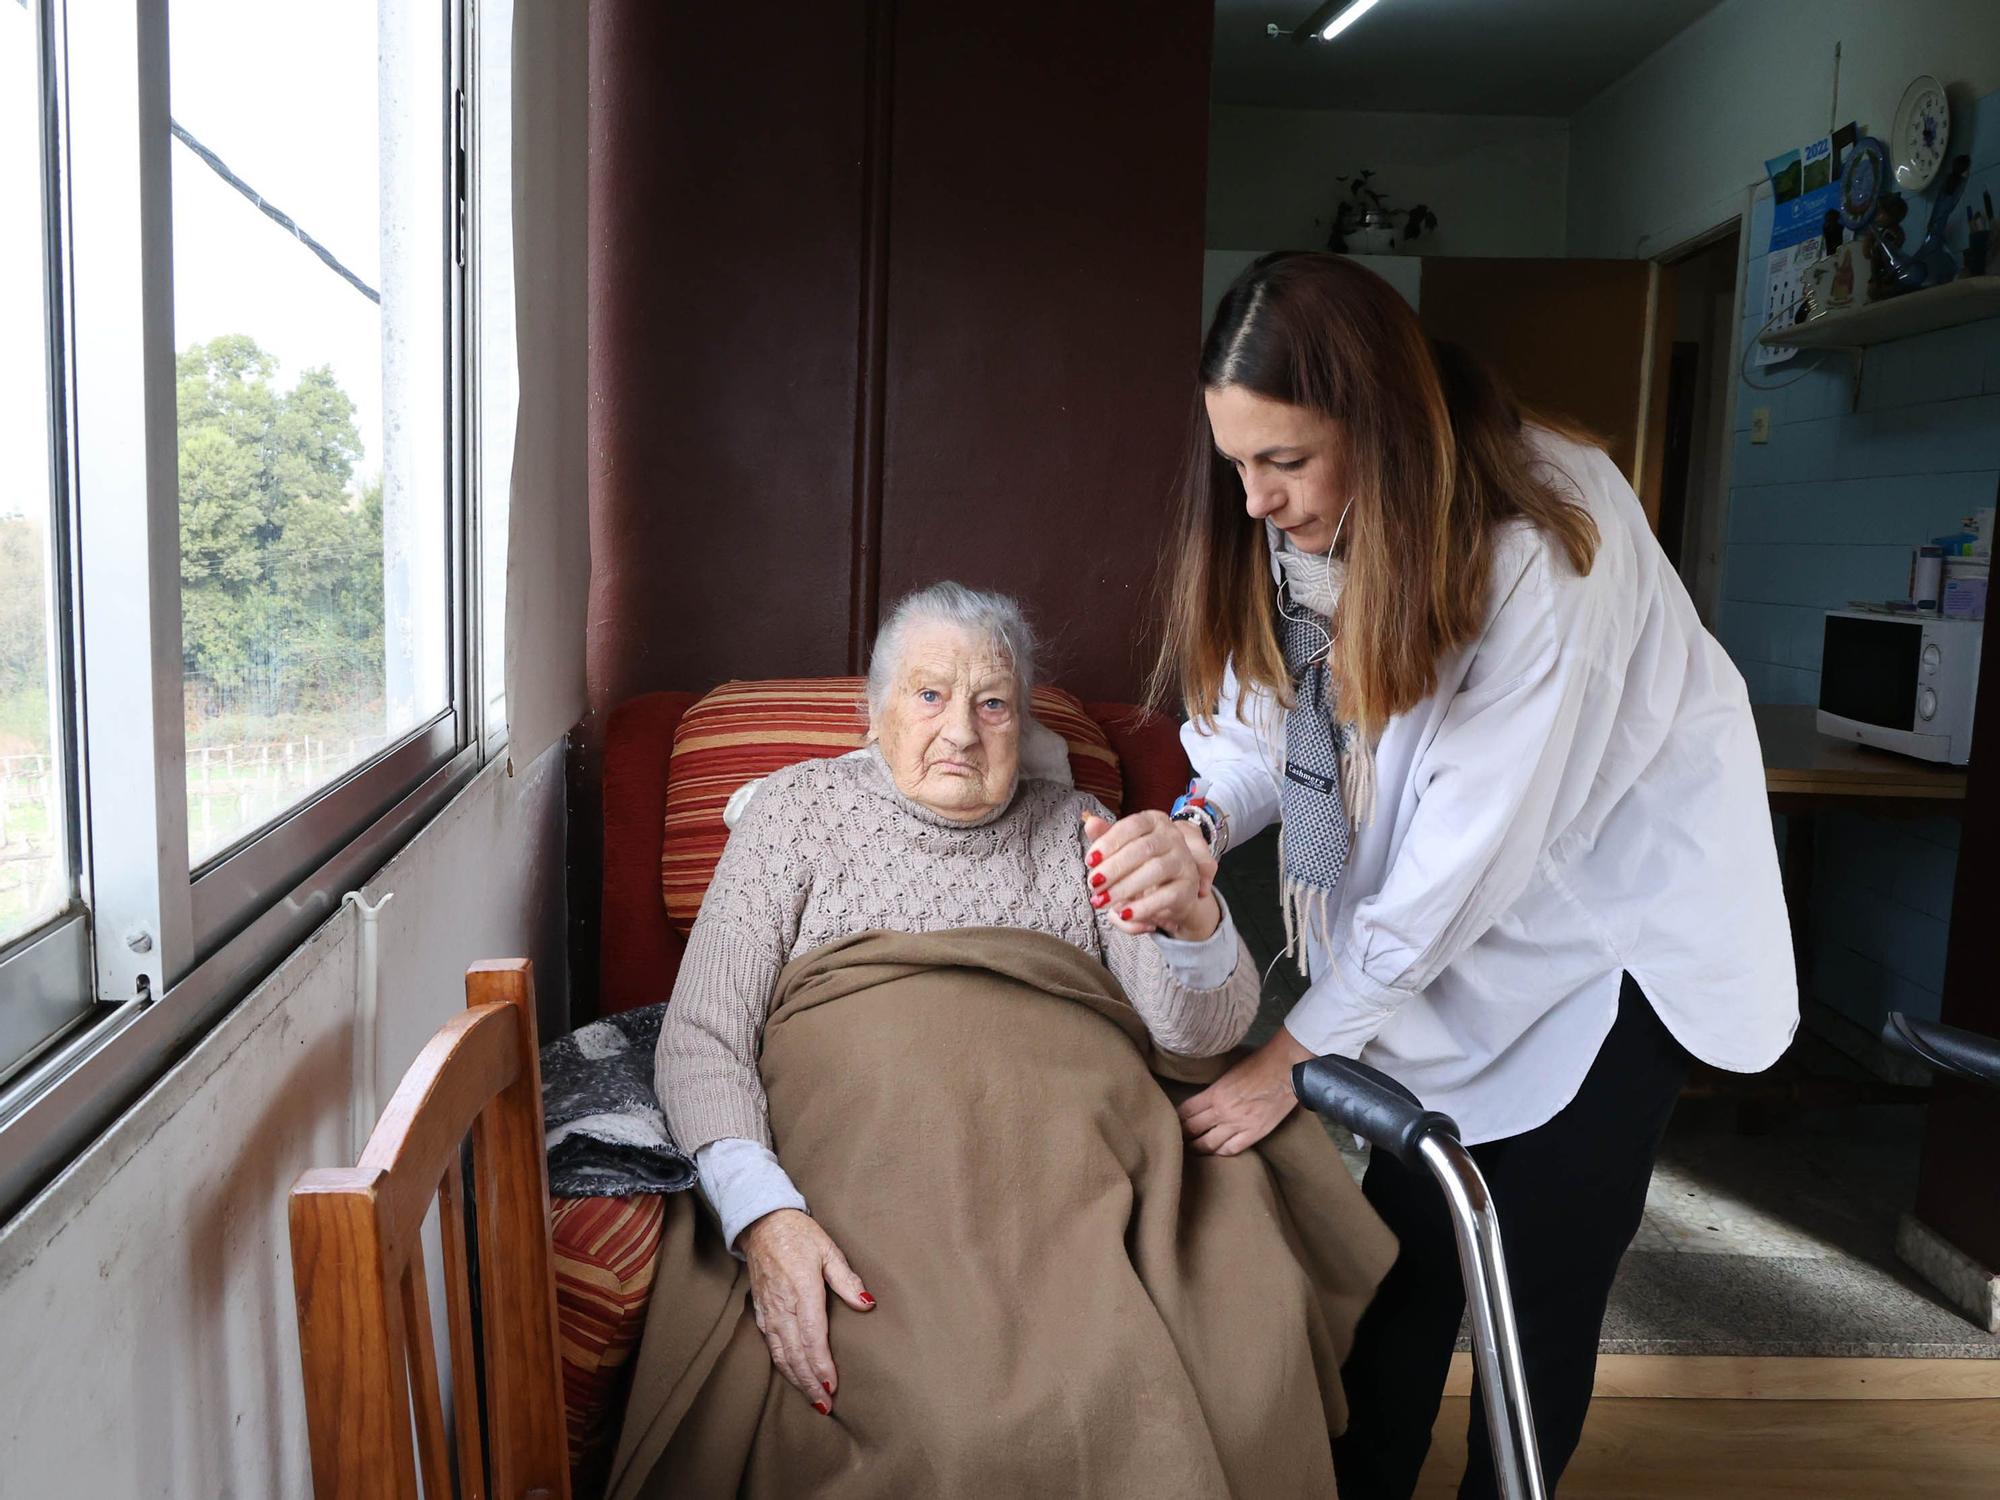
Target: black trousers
column 1569, row 1194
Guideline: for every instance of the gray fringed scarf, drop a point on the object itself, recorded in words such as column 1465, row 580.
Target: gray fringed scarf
column 1329, row 770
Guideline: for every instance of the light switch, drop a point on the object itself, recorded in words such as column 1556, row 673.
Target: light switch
column 1760, row 424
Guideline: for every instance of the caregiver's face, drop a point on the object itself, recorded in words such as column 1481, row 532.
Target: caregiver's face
column 1292, row 461
column 950, row 728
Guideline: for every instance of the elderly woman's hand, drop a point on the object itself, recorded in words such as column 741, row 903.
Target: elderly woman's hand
column 1154, row 875
column 792, row 1263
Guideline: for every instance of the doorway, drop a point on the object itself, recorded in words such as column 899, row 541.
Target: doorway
column 1701, row 361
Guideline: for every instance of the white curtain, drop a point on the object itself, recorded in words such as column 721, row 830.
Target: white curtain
column 541, row 144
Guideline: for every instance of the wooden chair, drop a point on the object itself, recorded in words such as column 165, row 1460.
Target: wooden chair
column 358, row 1267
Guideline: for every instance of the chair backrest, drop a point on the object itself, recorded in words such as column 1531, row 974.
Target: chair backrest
column 371, row 1370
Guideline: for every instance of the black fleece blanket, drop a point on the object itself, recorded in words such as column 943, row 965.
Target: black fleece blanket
column 606, row 1135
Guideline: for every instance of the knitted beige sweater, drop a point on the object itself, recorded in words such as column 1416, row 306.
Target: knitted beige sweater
column 830, row 848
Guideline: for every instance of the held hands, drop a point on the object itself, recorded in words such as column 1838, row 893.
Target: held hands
column 1153, row 874
column 792, row 1262
column 1247, row 1103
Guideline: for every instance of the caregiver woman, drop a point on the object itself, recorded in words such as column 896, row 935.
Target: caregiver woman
column 1526, row 852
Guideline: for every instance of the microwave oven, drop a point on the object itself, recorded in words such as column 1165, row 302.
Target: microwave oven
column 1903, row 682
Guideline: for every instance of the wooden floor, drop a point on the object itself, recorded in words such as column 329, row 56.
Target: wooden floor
column 1651, row 1448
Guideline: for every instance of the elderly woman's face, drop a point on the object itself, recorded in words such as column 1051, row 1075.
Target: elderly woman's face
column 950, row 727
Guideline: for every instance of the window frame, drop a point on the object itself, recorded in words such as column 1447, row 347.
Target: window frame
column 176, row 946
column 47, row 968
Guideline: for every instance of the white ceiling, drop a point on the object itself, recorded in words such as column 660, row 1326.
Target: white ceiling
column 1498, row 57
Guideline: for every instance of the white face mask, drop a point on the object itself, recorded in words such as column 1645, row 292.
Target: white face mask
column 1314, row 577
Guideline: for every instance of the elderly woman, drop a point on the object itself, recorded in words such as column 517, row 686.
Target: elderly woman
column 924, row 1053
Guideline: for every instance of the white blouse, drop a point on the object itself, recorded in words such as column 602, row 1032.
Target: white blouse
column 1582, row 795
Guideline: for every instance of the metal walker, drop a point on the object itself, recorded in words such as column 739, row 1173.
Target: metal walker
column 1381, row 1111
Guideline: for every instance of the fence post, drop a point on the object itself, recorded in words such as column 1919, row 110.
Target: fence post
column 207, row 799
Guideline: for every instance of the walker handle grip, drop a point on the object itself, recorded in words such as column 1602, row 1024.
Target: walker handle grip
column 1946, row 1048
column 1370, row 1103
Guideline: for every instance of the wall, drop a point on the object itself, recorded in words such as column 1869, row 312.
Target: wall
column 882, row 292
column 146, row 1296
column 1221, row 267
column 1825, row 512
column 1044, row 250
column 1497, row 182
column 1669, row 151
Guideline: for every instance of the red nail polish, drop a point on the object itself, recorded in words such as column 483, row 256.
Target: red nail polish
column 1098, row 878
column 869, row 1300
column 822, row 1408
column 1101, row 900
column 827, row 1386
column 1125, row 915
column 1096, row 858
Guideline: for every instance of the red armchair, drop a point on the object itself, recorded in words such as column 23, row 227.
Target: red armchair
column 605, row 1248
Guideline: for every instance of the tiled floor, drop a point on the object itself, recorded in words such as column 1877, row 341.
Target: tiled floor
column 1782, row 1243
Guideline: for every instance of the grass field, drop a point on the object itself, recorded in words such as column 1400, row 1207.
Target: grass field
column 240, row 775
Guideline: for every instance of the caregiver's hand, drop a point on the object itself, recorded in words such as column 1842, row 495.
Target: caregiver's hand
column 1247, row 1103
column 1154, row 874
column 792, row 1263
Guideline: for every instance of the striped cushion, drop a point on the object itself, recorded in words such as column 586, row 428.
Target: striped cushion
column 743, row 730
column 605, row 1253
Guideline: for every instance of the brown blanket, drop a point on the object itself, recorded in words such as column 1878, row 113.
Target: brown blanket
column 1071, row 1303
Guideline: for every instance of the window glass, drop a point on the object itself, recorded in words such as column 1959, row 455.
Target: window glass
column 310, row 261
column 34, row 863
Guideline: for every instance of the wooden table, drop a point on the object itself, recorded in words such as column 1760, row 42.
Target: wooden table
column 1807, row 772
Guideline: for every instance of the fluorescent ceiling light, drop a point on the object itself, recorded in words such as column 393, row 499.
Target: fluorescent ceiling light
column 1327, row 21
column 1345, row 19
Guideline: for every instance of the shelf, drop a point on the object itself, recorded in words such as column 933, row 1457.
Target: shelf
column 1966, row 300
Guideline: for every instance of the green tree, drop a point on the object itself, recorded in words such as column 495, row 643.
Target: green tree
column 23, row 630
column 281, row 560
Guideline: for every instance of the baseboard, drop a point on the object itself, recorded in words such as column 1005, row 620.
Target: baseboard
column 1716, row 1377
column 1966, row 1285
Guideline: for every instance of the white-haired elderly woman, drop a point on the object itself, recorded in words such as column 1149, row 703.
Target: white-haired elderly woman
column 937, row 827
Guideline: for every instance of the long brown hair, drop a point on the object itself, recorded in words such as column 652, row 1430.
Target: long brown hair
column 1436, row 460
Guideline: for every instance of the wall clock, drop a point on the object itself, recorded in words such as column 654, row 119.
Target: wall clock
column 1923, row 125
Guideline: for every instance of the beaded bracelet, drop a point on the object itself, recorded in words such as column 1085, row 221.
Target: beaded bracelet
column 1209, row 820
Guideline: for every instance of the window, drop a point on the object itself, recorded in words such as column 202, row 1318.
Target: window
column 310, row 374
column 239, row 581
column 34, row 874
column 42, row 937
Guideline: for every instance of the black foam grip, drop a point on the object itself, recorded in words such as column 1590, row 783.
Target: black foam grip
column 1370, row 1103
column 1946, row 1048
